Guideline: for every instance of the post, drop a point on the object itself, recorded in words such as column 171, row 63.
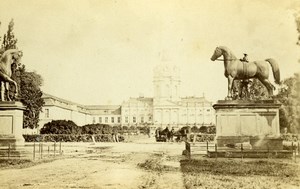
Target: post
column 41, row 150
column 268, row 151
column 292, row 150
column 33, row 150
column 60, row 147
column 54, row 147
column 298, row 149
column 242, row 152
column 48, row 149
column 216, row 151
column 8, row 151
column 207, row 146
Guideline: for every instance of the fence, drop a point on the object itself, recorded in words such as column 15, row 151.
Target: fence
column 241, row 151
column 33, row 151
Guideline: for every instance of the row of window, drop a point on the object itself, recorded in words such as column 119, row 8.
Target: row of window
column 113, row 120
column 134, row 120
column 106, row 119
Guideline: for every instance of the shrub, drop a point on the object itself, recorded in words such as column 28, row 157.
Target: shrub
column 60, row 127
column 195, row 129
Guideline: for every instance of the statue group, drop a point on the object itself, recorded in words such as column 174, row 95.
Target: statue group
column 254, row 123
column 8, row 61
column 237, row 69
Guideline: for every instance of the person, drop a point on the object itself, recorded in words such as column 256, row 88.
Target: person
column 166, row 132
column 148, row 131
column 115, row 135
column 157, row 133
column 245, row 58
column 172, row 132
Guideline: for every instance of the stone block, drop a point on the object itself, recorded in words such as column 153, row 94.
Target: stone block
column 11, row 123
column 238, row 121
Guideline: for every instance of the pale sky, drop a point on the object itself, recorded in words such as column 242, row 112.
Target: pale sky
column 100, row 52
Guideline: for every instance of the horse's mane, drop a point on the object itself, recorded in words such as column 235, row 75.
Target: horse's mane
column 227, row 50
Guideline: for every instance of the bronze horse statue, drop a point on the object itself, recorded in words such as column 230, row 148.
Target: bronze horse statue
column 8, row 58
column 235, row 69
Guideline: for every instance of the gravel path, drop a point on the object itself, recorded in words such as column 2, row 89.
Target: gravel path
column 106, row 165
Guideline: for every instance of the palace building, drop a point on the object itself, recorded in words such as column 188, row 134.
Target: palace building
column 165, row 108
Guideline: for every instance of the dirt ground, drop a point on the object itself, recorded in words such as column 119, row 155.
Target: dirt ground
column 101, row 165
column 124, row 165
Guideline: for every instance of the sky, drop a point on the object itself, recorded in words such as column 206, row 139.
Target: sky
column 104, row 51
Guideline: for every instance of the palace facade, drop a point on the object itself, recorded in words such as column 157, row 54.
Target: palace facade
column 165, row 108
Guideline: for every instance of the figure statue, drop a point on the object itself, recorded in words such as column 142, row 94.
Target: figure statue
column 236, row 69
column 245, row 58
column 7, row 59
column 244, row 82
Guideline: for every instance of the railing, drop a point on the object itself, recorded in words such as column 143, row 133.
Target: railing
column 32, row 151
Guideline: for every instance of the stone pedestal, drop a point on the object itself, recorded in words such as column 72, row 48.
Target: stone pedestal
column 11, row 124
column 248, row 121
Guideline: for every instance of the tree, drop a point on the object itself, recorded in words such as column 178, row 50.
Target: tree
column 29, row 83
column 30, row 95
column 9, row 40
column 297, row 19
column 289, row 96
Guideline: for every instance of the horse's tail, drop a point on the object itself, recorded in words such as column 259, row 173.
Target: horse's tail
column 275, row 69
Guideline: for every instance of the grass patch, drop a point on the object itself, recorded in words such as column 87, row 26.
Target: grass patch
column 155, row 163
column 225, row 173
column 21, row 163
column 235, row 167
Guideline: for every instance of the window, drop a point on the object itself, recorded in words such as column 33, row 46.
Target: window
column 208, row 110
column 112, row 119
column 142, row 119
column 94, row 120
column 47, row 113
column 106, row 119
column 119, row 119
column 150, row 118
column 133, row 119
column 100, row 119
column 126, row 119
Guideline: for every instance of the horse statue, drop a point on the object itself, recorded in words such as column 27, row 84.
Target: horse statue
column 8, row 58
column 235, row 69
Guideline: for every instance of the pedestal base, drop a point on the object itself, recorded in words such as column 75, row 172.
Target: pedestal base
column 244, row 121
column 11, row 124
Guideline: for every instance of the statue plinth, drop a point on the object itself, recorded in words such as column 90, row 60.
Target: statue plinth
column 11, row 124
column 256, row 122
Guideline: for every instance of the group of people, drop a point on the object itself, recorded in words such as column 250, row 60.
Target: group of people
column 165, row 135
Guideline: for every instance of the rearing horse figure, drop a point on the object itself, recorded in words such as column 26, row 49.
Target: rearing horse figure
column 6, row 60
column 236, row 69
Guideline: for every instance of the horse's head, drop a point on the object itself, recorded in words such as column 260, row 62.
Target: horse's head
column 217, row 54
column 17, row 55
column 9, row 54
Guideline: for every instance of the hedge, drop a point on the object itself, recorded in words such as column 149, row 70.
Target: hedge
column 70, row 138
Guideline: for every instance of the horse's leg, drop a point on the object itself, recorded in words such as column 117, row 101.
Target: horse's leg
column 2, row 91
column 268, row 85
column 7, row 91
column 230, row 84
column 8, row 79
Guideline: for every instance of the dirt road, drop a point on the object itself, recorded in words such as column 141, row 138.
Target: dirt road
column 103, row 165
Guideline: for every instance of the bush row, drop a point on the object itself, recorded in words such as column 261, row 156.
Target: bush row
column 290, row 137
column 71, row 138
column 69, row 127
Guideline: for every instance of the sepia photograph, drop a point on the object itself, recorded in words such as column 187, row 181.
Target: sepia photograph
column 150, row 94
